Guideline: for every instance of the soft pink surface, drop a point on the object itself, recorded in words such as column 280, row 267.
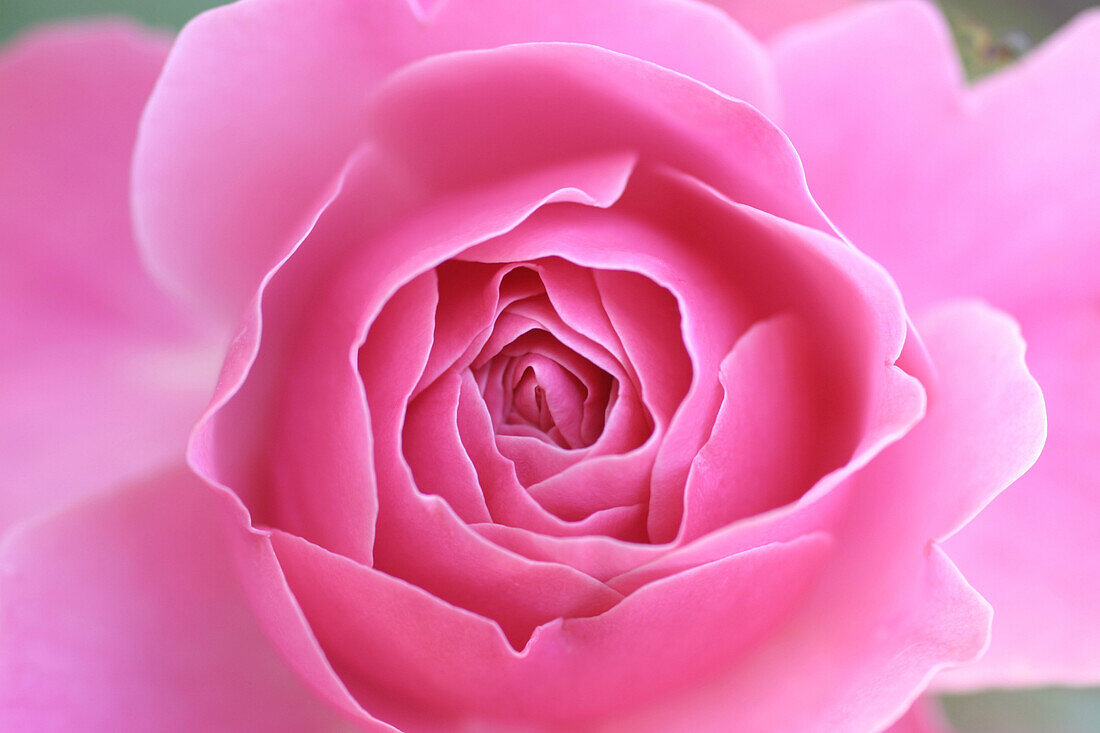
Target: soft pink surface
column 986, row 191
column 101, row 376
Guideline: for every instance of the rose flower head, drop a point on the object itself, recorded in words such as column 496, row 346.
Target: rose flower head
column 549, row 398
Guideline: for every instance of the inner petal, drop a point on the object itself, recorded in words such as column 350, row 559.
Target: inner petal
column 566, row 406
column 549, row 397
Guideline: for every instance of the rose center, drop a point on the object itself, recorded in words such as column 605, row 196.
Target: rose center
column 542, row 389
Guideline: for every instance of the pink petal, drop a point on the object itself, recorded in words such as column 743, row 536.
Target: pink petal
column 601, row 557
column 1034, row 552
column 855, row 659
column 771, row 438
column 433, row 448
column 986, row 422
column 512, row 504
column 253, row 119
column 137, row 611
column 664, row 227
column 765, row 18
column 876, row 105
column 102, row 374
column 460, row 566
column 458, row 666
column 559, row 101
column 351, row 245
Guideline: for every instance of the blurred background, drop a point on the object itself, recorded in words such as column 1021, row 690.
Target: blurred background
column 990, row 34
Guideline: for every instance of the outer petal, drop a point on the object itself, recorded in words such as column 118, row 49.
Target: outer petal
column 100, row 375
column 853, row 677
column 986, row 423
column 136, row 612
column 768, row 17
column 262, row 102
column 983, row 191
column 458, row 667
column 1034, row 552
column 987, row 191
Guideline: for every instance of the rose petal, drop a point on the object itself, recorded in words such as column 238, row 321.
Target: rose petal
column 460, row 566
column 772, row 439
column 252, row 120
column 599, row 556
column 1033, row 552
column 558, row 101
column 766, row 18
column 875, row 101
column 461, row 667
column 102, row 374
column 433, row 448
column 986, row 421
column 137, row 611
column 886, row 616
column 859, row 664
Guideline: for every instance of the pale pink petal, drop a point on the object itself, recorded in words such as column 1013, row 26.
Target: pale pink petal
column 985, row 426
column 1034, row 552
column 765, row 18
column 102, row 376
column 253, row 120
column 876, row 104
column 138, row 611
column 875, row 101
column 561, row 101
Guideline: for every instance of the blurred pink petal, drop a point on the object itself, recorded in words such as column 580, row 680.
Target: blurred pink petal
column 102, row 376
column 765, row 18
column 137, row 611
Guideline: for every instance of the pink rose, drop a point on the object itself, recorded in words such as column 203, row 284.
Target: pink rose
column 549, row 397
